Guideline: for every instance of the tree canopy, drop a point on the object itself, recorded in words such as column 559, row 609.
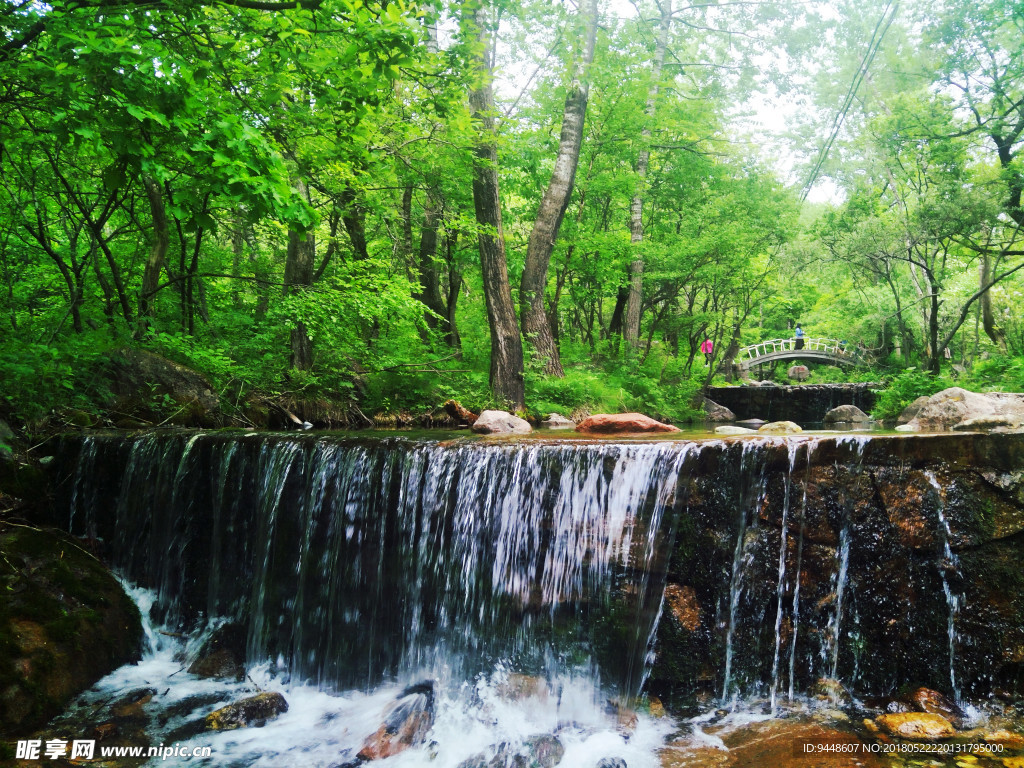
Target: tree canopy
column 532, row 205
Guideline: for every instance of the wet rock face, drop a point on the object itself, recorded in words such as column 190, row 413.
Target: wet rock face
column 251, row 712
column 406, row 723
column 65, row 622
column 223, row 654
column 622, row 423
column 917, row 726
column 899, row 560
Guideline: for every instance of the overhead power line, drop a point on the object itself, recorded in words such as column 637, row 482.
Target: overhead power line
column 884, row 22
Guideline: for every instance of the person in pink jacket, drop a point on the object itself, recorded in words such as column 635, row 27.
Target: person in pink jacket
column 707, row 347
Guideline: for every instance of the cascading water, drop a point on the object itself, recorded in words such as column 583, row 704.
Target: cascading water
column 353, row 567
column 949, row 562
column 356, row 563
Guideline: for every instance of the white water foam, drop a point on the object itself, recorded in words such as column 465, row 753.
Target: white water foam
column 327, row 728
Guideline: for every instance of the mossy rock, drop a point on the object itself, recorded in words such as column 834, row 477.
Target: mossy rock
column 65, row 622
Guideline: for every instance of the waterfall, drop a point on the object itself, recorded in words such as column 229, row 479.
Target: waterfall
column 353, row 566
column 351, row 562
column 948, row 562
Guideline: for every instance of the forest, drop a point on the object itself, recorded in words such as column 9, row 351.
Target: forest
column 527, row 204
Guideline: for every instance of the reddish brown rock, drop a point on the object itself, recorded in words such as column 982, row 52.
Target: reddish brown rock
column 406, row 723
column 622, row 423
column 927, row 700
column 682, row 602
column 917, row 726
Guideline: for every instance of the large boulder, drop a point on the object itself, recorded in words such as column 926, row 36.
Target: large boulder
column 715, row 412
column 146, row 386
column 65, row 622
column 501, row 423
column 846, row 414
column 950, row 407
column 910, row 412
column 619, row 423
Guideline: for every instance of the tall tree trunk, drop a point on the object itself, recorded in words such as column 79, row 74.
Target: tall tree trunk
column 631, row 328
column 553, row 204
column 506, row 375
column 353, row 215
column 157, row 252
column 988, row 319
column 430, row 279
column 935, row 362
column 298, row 274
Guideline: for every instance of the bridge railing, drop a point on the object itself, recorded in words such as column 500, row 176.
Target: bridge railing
column 828, row 347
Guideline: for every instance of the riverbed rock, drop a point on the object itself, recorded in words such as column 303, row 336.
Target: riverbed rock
column 730, row 431
column 544, row 751
column 780, row 428
column 846, row 414
column 954, row 406
column 775, row 742
column 406, row 722
column 715, row 412
column 753, row 424
column 501, row 423
column 917, row 726
column 223, row 654
column 558, row 421
column 928, row 700
column 253, row 711
column 622, row 423
column 831, row 690
column 65, row 622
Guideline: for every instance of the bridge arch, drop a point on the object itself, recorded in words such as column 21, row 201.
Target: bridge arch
column 833, row 351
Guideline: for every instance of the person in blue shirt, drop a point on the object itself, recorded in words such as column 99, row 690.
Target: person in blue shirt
column 799, row 334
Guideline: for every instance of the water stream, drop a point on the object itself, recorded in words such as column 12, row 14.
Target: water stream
column 526, row 579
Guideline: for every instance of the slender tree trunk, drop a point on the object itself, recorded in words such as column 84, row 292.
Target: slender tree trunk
column 553, row 204
column 298, row 274
column 631, row 328
column 935, row 363
column 440, row 316
column 157, row 252
column 988, row 319
column 506, row 375
column 354, row 218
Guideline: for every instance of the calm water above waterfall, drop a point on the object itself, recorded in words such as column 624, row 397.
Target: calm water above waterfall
column 707, row 573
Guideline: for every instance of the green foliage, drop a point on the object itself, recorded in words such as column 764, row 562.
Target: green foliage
column 42, row 377
column 903, row 389
column 1002, row 373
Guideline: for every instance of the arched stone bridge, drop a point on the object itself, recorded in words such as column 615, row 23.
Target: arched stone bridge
column 831, row 351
